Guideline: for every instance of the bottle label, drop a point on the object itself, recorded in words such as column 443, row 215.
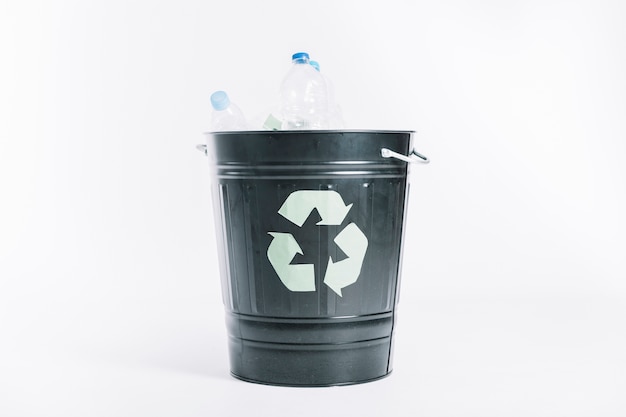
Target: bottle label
column 272, row 123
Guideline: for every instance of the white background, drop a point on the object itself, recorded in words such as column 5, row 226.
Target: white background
column 514, row 287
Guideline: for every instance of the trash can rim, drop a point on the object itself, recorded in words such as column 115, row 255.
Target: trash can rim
column 304, row 132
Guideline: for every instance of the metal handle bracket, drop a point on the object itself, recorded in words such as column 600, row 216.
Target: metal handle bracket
column 413, row 157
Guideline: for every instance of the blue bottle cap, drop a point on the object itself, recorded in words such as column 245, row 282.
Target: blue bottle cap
column 220, row 100
column 300, row 57
column 315, row 65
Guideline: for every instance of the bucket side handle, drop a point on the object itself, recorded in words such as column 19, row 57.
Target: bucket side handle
column 413, row 157
column 201, row 148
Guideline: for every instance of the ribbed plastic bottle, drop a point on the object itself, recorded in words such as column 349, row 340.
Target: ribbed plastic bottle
column 225, row 116
column 303, row 96
column 335, row 115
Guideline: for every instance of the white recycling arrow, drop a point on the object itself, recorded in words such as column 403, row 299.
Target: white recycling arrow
column 328, row 203
column 282, row 249
column 340, row 274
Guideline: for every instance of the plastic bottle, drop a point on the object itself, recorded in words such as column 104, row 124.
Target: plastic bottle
column 335, row 116
column 315, row 64
column 303, row 96
column 225, row 116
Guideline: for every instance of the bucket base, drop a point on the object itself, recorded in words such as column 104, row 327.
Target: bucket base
column 339, row 384
column 310, row 365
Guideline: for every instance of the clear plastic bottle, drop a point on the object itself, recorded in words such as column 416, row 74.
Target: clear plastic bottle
column 335, row 115
column 303, row 96
column 226, row 116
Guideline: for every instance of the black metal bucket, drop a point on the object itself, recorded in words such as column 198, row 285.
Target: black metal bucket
column 310, row 231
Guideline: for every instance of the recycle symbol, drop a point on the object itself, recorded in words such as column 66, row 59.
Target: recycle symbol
column 284, row 247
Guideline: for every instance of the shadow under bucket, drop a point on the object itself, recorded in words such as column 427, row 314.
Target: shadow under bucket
column 310, row 231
